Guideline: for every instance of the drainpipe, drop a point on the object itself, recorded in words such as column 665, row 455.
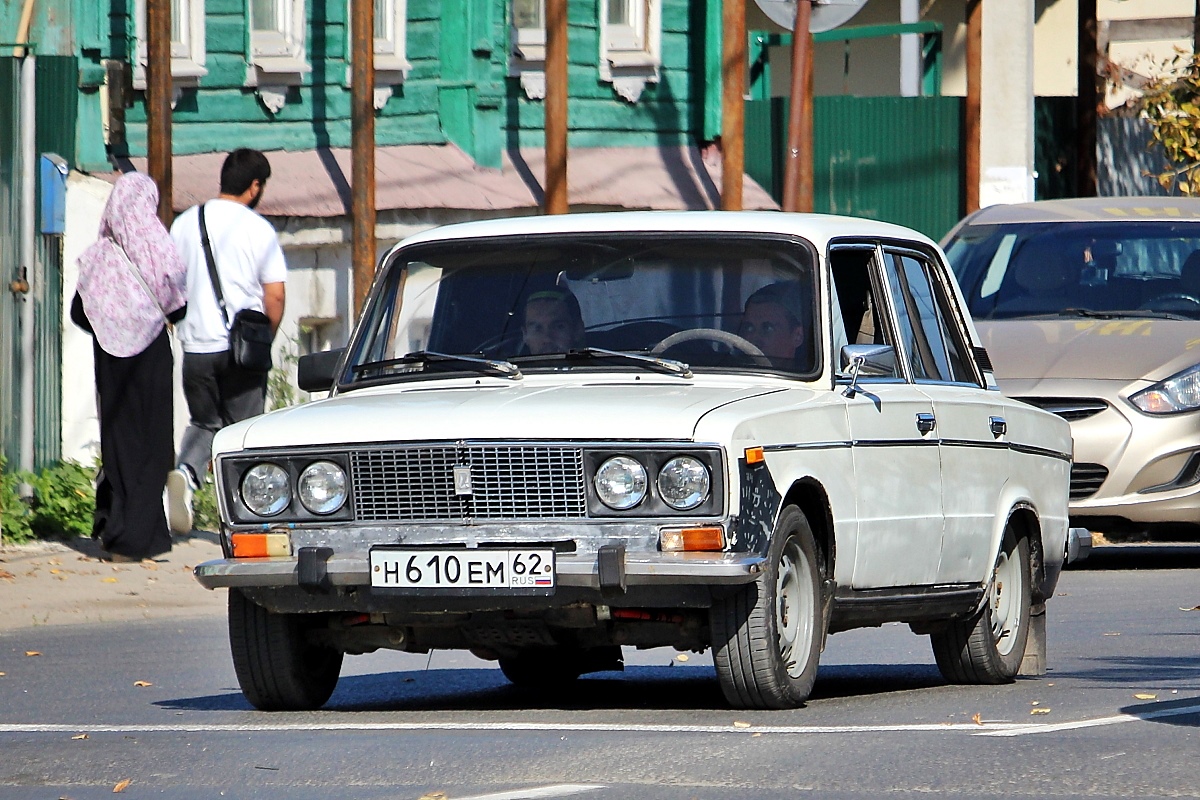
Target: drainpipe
column 28, row 233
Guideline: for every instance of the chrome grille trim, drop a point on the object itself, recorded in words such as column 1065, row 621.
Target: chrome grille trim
column 1086, row 480
column 509, row 482
column 1069, row 408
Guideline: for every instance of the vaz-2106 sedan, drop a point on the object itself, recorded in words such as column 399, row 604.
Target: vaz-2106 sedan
column 550, row 438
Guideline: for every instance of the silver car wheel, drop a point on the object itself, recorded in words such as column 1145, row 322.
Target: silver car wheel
column 794, row 613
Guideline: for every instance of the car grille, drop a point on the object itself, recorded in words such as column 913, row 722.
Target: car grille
column 1069, row 408
column 1086, row 479
column 507, row 482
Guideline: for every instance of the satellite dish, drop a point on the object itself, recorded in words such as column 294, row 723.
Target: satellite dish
column 826, row 14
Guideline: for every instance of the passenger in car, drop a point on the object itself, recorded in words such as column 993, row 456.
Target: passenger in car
column 776, row 322
column 552, row 322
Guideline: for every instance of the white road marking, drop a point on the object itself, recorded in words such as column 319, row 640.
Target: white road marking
column 1024, row 730
column 560, row 790
column 968, row 727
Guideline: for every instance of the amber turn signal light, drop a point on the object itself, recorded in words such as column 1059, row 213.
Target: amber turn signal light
column 260, row 545
column 754, row 455
column 677, row 540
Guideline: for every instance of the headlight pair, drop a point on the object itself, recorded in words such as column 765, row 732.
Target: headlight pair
column 266, row 488
column 1175, row 395
column 622, row 482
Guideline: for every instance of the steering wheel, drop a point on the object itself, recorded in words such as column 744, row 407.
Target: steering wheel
column 708, row 335
column 1157, row 303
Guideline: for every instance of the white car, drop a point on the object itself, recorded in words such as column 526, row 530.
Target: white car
column 552, row 437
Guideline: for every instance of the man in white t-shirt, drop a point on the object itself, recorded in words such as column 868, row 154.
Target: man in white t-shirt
column 252, row 273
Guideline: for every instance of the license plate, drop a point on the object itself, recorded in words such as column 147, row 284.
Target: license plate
column 518, row 569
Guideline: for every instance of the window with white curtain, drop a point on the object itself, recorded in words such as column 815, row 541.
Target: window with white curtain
column 187, row 42
column 630, row 44
column 527, row 57
column 276, row 30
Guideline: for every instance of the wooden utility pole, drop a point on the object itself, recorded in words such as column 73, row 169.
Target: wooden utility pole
column 158, row 104
column 972, row 127
column 556, row 107
column 798, row 161
column 362, row 142
column 1087, row 98
column 733, row 102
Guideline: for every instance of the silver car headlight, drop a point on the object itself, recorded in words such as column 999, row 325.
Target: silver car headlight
column 1176, row 394
column 265, row 489
column 683, row 483
column 621, row 483
column 322, row 487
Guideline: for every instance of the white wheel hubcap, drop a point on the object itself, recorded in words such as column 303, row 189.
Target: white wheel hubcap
column 1004, row 597
column 795, row 608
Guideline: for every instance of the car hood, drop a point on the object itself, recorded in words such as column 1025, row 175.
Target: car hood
column 1120, row 349
column 637, row 410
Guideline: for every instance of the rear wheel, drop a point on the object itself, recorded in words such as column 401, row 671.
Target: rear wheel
column 767, row 637
column 277, row 666
column 988, row 647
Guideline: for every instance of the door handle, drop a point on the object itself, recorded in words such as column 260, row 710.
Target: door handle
column 926, row 422
column 998, row 425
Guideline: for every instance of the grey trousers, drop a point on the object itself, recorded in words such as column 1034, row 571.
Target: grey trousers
column 218, row 393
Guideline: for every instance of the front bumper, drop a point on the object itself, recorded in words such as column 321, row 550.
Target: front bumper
column 576, row 571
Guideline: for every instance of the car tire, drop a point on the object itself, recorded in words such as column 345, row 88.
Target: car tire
column 987, row 648
column 767, row 637
column 277, row 667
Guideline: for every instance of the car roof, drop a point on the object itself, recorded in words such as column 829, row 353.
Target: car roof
column 1089, row 209
column 816, row 228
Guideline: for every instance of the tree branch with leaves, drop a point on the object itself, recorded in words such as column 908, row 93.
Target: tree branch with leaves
column 1172, row 105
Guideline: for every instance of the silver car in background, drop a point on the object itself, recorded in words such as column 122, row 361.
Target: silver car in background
column 1090, row 308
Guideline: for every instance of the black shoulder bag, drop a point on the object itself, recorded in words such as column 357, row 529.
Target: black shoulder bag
column 249, row 331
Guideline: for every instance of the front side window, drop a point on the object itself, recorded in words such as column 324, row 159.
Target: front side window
column 937, row 336
column 595, row 302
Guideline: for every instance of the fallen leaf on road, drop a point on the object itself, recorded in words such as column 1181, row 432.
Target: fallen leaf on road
column 121, row 786
column 1112, row 634
column 55, row 571
column 1039, row 711
column 756, row 733
column 1145, row 696
column 1193, row 608
column 740, row 724
column 6, row 575
column 142, row 683
column 114, row 580
column 80, row 736
column 682, row 657
column 32, row 653
column 433, row 796
column 1036, row 703
column 2, row 674
column 977, row 719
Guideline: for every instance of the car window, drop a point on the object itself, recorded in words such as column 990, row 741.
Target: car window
column 863, row 317
column 733, row 302
column 1039, row 269
column 921, row 360
column 944, row 346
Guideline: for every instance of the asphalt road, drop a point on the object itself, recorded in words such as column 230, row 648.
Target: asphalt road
column 1116, row 717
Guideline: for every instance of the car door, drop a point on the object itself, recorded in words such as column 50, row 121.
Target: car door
column 896, row 464
column 971, row 422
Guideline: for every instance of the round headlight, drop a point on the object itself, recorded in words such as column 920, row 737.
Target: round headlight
column 322, row 487
column 265, row 490
column 621, row 483
column 683, row 483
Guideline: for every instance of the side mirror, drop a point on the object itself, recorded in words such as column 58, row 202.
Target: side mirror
column 874, row 360
column 316, row 372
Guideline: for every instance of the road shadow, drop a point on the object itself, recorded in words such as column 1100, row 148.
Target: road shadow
column 1140, row 556
column 1184, row 713
column 638, row 688
column 1177, row 672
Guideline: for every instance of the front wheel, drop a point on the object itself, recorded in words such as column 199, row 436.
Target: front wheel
column 277, row 666
column 767, row 637
column 988, row 647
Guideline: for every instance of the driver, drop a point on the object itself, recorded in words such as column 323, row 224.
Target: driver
column 552, row 322
column 775, row 321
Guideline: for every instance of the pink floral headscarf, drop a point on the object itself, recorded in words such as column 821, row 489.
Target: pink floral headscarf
column 124, row 317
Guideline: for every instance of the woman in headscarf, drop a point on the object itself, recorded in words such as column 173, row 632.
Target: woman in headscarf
column 132, row 283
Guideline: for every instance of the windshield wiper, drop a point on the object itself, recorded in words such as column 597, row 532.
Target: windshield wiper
column 667, row 365
column 1139, row 313
column 504, row 369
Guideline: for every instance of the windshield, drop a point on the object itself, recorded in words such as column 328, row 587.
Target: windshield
column 587, row 301
column 1108, row 269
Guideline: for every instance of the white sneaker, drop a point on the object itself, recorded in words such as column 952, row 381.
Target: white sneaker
column 179, row 501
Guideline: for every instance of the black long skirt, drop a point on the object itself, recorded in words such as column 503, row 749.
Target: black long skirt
column 136, row 449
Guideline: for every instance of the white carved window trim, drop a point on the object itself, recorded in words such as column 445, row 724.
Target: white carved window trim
column 391, row 51
column 631, row 54
column 278, row 56
column 527, row 54
column 187, row 53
